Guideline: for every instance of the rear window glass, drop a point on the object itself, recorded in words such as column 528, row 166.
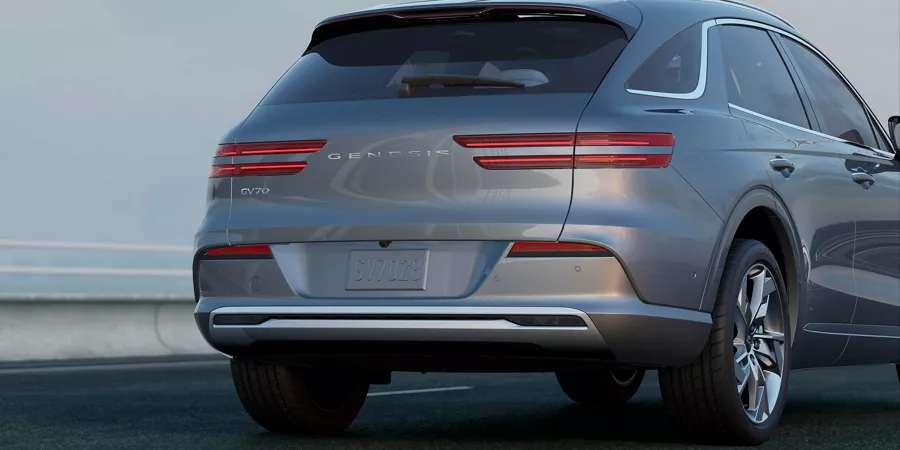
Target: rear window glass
column 674, row 68
column 541, row 55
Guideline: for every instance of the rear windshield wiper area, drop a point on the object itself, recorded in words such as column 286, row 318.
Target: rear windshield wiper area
column 409, row 84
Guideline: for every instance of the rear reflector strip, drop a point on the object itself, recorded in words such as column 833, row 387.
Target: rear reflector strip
column 547, row 321
column 555, row 249
column 260, row 169
column 239, row 252
column 524, row 162
column 269, row 148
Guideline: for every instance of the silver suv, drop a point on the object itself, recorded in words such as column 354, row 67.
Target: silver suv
column 592, row 188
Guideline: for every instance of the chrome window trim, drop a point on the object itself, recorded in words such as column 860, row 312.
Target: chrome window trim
column 701, row 79
column 781, row 122
column 704, row 74
column 872, row 117
column 797, row 127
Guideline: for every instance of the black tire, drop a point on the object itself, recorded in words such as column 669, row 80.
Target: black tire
column 291, row 400
column 702, row 396
column 601, row 388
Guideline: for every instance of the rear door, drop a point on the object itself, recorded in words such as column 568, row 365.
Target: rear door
column 380, row 155
column 875, row 326
column 809, row 174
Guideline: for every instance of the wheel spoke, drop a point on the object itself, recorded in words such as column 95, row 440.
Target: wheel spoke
column 740, row 325
column 762, row 409
column 743, row 306
column 742, row 376
column 766, row 354
column 755, row 384
column 771, row 335
column 763, row 286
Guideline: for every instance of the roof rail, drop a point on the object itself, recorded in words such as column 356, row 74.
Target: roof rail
column 757, row 8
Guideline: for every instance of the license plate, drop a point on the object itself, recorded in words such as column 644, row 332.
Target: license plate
column 387, row 270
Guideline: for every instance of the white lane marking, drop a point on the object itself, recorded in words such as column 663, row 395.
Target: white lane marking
column 420, row 391
column 96, row 246
column 37, row 270
column 103, row 367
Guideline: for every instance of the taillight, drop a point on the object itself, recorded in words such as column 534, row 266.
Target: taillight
column 524, row 162
column 625, row 139
column 516, row 140
column 263, row 149
column 269, row 148
column 621, row 161
column 239, row 252
column 555, row 249
column 248, row 170
column 583, row 161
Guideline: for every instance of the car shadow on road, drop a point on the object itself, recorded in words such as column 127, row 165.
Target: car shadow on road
column 643, row 424
column 568, row 427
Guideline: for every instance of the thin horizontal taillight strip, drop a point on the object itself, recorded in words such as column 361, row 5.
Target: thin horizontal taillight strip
column 268, row 148
column 524, row 162
column 260, row 169
column 578, row 162
column 566, row 140
column 652, row 161
column 516, row 140
column 625, row 139
column 426, row 14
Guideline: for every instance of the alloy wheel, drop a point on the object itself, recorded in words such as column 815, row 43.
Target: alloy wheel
column 759, row 343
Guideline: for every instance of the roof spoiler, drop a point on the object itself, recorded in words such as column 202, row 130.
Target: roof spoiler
column 621, row 13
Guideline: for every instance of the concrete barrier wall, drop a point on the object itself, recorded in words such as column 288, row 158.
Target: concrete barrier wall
column 60, row 327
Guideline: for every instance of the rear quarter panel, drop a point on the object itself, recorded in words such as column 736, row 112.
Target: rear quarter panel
column 665, row 224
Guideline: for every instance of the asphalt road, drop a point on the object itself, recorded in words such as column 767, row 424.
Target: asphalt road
column 192, row 405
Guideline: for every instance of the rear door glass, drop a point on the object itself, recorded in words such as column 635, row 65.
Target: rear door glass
column 839, row 112
column 546, row 55
column 757, row 77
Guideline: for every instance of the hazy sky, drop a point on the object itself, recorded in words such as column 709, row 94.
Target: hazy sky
column 110, row 110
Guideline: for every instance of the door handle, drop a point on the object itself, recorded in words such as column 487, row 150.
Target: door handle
column 785, row 166
column 863, row 179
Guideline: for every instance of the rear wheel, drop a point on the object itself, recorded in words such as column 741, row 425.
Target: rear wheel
column 592, row 388
column 734, row 391
column 298, row 401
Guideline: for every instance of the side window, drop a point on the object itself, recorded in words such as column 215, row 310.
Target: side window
column 840, row 114
column 757, row 77
column 674, row 68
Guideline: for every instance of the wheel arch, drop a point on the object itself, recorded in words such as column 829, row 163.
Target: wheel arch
column 761, row 214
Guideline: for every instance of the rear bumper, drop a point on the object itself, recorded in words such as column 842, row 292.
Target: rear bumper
column 614, row 331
